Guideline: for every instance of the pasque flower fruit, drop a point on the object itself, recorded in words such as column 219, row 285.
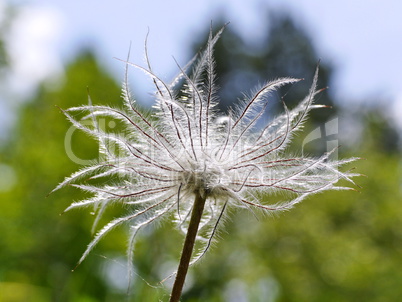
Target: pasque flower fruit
column 159, row 164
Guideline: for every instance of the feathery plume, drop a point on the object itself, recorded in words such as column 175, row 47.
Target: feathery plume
column 185, row 155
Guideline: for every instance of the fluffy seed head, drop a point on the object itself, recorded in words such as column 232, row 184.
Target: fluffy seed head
column 158, row 163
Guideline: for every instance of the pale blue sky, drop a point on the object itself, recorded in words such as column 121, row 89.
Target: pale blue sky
column 363, row 38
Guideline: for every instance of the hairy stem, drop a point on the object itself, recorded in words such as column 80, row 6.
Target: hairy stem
column 188, row 247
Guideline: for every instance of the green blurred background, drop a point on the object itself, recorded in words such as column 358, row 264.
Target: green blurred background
column 336, row 246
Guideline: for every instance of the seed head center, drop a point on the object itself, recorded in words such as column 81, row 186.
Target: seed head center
column 203, row 179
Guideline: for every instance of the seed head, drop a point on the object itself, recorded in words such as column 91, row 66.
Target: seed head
column 158, row 163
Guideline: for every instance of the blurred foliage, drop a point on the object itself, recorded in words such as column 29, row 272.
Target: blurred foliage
column 383, row 134
column 5, row 23
column 337, row 246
